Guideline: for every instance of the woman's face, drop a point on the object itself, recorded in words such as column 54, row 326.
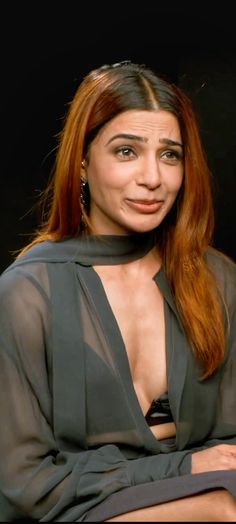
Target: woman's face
column 134, row 171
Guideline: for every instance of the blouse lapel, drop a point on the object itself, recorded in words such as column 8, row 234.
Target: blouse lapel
column 177, row 356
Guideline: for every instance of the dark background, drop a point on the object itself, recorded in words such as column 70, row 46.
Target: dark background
column 47, row 48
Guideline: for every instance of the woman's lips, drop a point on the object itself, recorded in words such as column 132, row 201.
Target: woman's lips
column 145, row 206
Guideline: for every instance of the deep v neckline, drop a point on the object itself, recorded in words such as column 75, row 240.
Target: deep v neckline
column 112, row 332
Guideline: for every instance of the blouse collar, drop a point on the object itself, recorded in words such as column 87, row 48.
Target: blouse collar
column 91, row 249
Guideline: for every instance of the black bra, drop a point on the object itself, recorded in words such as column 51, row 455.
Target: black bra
column 159, row 411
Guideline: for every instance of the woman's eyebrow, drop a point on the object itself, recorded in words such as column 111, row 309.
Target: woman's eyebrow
column 170, row 142
column 129, row 136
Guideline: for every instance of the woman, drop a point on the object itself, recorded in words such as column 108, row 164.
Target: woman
column 117, row 323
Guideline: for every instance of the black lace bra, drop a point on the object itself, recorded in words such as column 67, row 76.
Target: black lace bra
column 159, row 411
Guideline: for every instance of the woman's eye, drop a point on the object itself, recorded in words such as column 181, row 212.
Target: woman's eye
column 125, row 152
column 172, row 156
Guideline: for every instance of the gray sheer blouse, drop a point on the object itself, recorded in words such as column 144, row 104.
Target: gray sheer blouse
column 72, row 430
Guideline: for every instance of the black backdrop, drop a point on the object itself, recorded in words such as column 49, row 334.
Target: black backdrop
column 47, row 48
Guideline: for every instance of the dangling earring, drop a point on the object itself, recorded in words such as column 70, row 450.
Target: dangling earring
column 84, row 193
column 84, row 202
column 84, row 198
column 84, row 190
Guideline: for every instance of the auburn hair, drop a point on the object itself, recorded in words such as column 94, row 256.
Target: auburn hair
column 187, row 231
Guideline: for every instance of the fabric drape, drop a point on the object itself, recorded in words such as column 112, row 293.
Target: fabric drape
column 73, row 436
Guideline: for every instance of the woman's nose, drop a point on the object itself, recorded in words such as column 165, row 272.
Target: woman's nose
column 149, row 174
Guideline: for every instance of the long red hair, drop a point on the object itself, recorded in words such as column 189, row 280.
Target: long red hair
column 188, row 230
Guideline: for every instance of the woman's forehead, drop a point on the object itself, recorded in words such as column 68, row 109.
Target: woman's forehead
column 143, row 123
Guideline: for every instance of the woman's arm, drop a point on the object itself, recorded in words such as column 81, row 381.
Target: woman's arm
column 36, row 477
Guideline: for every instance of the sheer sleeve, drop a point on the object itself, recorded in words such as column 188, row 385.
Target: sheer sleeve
column 35, row 476
column 225, row 270
column 37, row 479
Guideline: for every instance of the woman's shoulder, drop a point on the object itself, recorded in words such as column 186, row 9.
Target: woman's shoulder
column 51, row 251
column 32, row 265
column 224, row 269
column 39, row 254
column 26, row 270
column 221, row 263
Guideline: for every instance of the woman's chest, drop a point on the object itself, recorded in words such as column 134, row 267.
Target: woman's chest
column 139, row 313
